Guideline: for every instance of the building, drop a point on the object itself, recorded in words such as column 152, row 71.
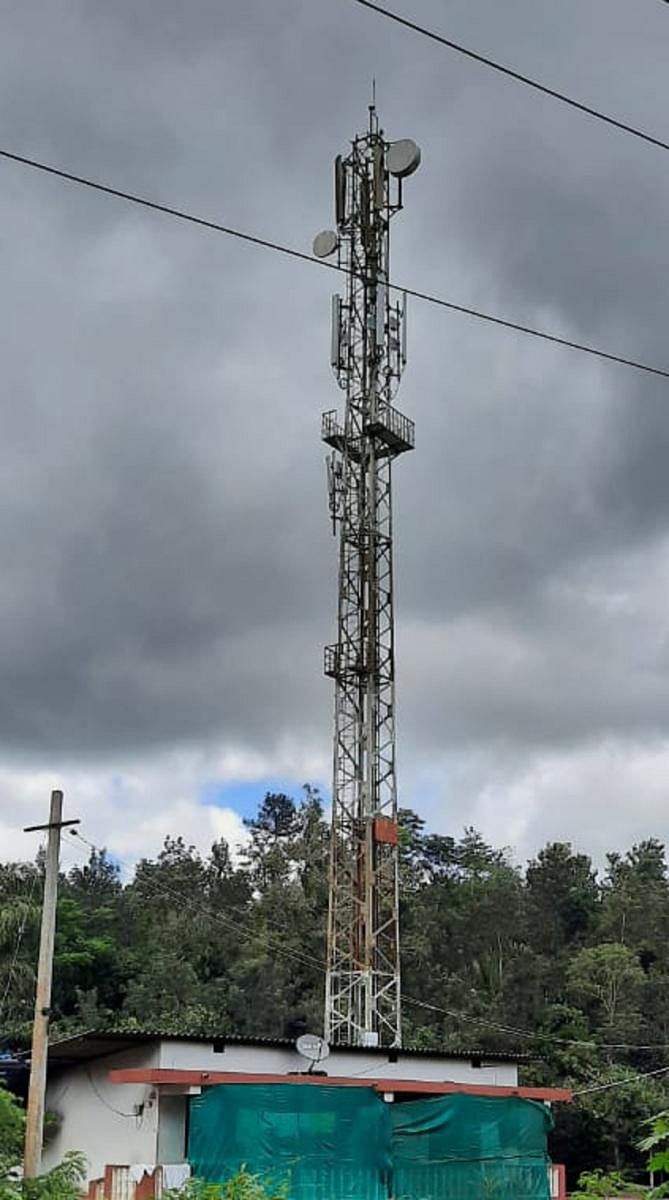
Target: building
column 14, row 1074
column 138, row 1101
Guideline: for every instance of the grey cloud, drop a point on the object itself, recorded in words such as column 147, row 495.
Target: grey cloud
column 167, row 570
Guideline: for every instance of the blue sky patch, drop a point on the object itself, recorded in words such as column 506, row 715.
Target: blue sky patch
column 246, row 796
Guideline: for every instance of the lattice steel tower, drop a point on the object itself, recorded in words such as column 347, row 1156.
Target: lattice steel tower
column 368, row 352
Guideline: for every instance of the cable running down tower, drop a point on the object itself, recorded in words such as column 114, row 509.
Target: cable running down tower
column 368, row 354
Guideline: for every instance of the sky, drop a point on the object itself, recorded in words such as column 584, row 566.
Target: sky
column 167, row 572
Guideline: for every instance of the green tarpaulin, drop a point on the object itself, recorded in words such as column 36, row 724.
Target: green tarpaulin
column 464, row 1147
column 345, row 1143
column 323, row 1142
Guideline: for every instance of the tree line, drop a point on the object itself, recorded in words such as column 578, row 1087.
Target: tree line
column 559, row 961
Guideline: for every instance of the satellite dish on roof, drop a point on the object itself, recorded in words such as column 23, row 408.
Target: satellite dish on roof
column 403, row 158
column 312, row 1047
column 325, row 243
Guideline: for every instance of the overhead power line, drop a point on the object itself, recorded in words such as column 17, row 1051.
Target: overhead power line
column 616, row 1083
column 535, row 1036
column 278, row 247
column 161, row 889
column 623, row 126
column 310, row 960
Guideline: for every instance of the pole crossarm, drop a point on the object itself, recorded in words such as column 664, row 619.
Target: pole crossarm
column 52, row 825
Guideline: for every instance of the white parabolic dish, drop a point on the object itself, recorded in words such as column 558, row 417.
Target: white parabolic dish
column 325, row 243
column 313, row 1047
column 403, row 158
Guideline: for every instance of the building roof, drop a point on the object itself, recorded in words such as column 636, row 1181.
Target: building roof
column 93, row 1043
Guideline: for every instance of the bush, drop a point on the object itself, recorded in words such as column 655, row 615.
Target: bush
column 12, row 1125
column 242, row 1186
column 63, row 1183
column 599, row 1183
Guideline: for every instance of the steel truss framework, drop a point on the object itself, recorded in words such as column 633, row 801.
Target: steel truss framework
column 368, row 353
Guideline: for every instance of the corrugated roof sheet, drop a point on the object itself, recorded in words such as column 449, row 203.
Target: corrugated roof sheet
column 97, row 1042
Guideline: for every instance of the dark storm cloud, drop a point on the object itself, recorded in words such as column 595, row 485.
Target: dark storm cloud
column 167, row 570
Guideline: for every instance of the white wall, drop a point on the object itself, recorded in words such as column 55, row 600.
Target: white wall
column 91, row 1107
column 99, row 1116
column 200, row 1056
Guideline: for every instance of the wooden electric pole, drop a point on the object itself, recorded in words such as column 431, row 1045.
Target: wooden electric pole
column 37, row 1087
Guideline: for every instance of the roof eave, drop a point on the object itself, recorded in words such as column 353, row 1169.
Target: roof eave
column 171, row 1077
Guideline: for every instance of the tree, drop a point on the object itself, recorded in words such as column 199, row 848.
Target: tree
column 273, row 830
column 223, row 942
column 619, row 1103
column 559, row 914
column 97, row 880
column 608, row 980
column 561, row 899
column 20, row 898
column 460, row 936
column 562, row 1047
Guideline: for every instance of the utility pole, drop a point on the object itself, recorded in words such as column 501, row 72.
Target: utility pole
column 368, row 353
column 38, row 1059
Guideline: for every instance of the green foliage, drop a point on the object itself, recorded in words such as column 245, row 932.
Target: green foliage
column 20, row 899
column 608, row 980
column 657, row 1142
column 580, row 960
column 605, row 1184
column 52, row 1126
column 241, row 1186
column 616, row 1112
column 12, row 1126
column 64, row 1182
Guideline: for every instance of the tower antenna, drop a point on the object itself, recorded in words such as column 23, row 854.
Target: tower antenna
column 362, row 1003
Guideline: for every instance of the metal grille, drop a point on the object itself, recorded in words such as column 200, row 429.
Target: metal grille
column 121, row 1187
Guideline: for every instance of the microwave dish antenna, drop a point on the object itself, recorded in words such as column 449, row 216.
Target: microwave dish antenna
column 312, row 1047
column 325, row 243
column 403, row 158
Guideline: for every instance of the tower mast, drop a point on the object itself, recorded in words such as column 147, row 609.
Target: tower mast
column 368, row 353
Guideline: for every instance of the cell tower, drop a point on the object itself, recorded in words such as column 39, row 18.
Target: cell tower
column 368, row 353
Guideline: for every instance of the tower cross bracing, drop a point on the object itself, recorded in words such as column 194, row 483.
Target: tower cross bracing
column 368, row 354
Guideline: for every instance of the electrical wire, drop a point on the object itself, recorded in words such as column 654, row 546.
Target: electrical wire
column 101, row 1098
column 603, row 1087
column 422, row 1004
column 278, row 247
column 170, row 893
column 311, row 960
column 623, row 126
column 535, row 1036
